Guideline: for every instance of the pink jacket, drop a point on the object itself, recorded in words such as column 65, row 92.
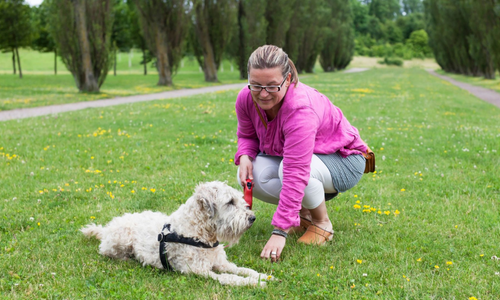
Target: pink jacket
column 307, row 123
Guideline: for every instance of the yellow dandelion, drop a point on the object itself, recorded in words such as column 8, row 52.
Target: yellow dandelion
column 359, row 261
column 419, row 259
column 153, row 190
column 132, row 191
column 402, row 190
column 436, row 267
column 357, row 206
column 449, row 263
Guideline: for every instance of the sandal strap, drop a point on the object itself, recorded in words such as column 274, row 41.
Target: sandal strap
column 320, row 231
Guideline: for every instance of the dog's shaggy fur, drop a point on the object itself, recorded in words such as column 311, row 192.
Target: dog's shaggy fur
column 215, row 212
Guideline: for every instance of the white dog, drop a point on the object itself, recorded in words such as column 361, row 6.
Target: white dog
column 214, row 212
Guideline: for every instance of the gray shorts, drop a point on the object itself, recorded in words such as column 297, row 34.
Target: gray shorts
column 346, row 172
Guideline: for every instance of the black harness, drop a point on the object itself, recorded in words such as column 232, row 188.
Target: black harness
column 173, row 237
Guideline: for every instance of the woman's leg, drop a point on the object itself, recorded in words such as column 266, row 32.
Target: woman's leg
column 267, row 184
column 313, row 203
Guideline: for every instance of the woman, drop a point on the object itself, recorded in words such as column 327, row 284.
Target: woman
column 296, row 146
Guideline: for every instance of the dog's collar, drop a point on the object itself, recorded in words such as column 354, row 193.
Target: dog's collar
column 173, row 237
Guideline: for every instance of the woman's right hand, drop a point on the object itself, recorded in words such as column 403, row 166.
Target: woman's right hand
column 246, row 169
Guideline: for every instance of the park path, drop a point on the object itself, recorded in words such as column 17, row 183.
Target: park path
column 482, row 93
column 485, row 94
column 54, row 109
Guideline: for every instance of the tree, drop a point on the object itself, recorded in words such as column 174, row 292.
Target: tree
column 43, row 40
column 385, row 9
column 120, row 33
column 338, row 43
column 136, row 37
column 250, row 33
column 278, row 16
column 464, row 35
column 15, row 29
column 213, row 21
column 303, row 39
column 82, row 31
column 164, row 25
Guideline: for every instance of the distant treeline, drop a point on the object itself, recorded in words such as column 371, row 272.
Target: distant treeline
column 87, row 34
column 465, row 35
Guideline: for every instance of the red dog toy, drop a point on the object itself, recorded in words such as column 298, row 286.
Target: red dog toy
column 248, row 193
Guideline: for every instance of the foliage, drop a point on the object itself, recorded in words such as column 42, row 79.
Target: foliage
column 82, row 31
column 279, row 16
column 164, row 27
column 464, row 35
column 338, row 42
column 304, row 37
column 392, row 61
column 213, row 23
column 15, row 28
column 249, row 34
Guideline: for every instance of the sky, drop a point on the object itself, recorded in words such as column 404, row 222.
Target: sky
column 34, row 2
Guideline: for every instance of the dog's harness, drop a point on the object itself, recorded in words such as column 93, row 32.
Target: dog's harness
column 173, row 237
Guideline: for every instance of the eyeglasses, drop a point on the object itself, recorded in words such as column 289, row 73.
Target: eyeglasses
column 269, row 89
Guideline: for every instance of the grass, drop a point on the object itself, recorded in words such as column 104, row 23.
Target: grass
column 425, row 226
column 39, row 87
column 492, row 84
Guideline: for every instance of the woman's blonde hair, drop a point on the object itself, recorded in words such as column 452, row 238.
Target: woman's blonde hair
column 270, row 56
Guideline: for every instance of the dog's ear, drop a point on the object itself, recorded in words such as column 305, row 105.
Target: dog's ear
column 207, row 206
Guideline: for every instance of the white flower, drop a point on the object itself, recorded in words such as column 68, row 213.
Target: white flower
column 364, row 274
column 32, row 219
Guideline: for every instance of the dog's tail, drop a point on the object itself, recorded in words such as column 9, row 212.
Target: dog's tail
column 92, row 230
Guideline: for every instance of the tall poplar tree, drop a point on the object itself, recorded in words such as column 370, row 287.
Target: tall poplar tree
column 338, row 37
column 250, row 32
column 82, row 31
column 213, row 23
column 164, row 25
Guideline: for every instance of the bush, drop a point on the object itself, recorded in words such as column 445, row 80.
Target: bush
column 392, row 61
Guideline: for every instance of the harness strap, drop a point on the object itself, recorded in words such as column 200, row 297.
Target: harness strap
column 173, row 237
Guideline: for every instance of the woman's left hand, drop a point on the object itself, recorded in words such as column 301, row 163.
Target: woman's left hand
column 273, row 248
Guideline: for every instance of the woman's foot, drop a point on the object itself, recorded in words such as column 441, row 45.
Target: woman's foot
column 316, row 236
column 304, row 224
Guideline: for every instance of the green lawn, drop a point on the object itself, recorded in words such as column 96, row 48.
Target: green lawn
column 39, row 87
column 425, row 226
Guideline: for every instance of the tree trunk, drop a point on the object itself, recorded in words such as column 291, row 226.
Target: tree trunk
column 14, row 61
column 88, row 83
column 19, row 64
column 242, row 59
column 209, row 67
column 55, row 61
column 162, row 63
column 144, row 61
column 114, row 60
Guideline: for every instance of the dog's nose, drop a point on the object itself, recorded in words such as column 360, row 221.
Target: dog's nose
column 251, row 219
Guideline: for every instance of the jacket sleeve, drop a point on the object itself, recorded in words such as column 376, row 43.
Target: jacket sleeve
column 248, row 141
column 299, row 133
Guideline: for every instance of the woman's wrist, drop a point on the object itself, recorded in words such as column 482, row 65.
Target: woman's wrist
column 280, row 232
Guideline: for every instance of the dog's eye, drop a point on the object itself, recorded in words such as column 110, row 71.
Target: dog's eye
column 231, row 202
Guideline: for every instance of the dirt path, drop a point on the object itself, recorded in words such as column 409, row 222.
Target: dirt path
column 54, row 109
column 480, row 92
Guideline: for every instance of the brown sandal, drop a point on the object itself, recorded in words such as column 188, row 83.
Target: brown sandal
column 304, row 224
column 315, row 236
